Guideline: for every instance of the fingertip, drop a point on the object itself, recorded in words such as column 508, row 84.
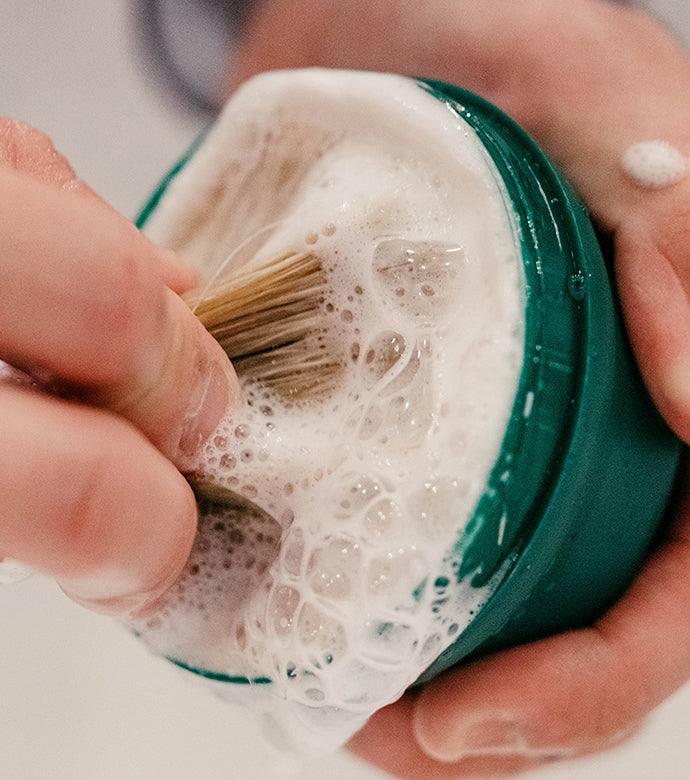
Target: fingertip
column 668, row 385
column 425, row 729
column 482, row 734
column 178, row 383
column 215, row 395
column 135, row 583
column 389, row 741
column 443, row 734
column 89, row 501
column 671, row 392
column 561, row 697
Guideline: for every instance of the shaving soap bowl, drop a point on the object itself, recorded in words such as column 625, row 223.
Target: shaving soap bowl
column 587, row 465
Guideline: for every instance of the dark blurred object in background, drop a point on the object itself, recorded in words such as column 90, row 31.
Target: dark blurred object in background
column 189, row 45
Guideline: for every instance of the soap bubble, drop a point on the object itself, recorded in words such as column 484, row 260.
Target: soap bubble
column 418, row 278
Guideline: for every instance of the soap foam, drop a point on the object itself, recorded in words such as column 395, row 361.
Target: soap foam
column 654, row 164
column 329, row 583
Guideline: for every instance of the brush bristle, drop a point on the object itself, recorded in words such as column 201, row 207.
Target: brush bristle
column 269, row 321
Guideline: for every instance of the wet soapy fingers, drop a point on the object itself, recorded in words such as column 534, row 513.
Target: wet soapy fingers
column 86, row 498
column 561, row 697
column 85, row 309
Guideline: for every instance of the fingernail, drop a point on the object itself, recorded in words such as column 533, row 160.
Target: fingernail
column 207, row 406
column 118, row 592
column 494, row 735
column 107, row 592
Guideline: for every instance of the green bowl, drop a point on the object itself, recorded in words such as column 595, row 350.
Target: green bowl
column 587, row 464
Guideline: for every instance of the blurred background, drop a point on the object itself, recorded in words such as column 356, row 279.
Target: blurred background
column 79, row 696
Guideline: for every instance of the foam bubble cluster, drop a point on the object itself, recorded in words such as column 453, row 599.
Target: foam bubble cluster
column 654, row 164
column 325, row 577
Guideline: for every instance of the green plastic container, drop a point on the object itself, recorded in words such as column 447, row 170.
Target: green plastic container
column 587, row 464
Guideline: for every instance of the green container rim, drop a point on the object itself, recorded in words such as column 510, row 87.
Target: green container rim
column 539, row 530
column 556, row 243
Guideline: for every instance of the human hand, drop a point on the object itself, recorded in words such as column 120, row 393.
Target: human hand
column 587, row 80
column 127, row 385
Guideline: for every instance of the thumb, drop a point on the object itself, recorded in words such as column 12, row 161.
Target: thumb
column 576, row 692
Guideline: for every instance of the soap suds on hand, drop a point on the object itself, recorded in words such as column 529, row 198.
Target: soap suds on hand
column 654, row 164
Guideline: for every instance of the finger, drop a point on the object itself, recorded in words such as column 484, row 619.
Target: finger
column 83, row 304
column 396, row 37
column 653, row 279
column 27, row 150
column 388, row 741
column 86, row 498
column 578, row 691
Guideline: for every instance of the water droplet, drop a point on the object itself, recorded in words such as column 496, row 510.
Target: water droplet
column 577, row 285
